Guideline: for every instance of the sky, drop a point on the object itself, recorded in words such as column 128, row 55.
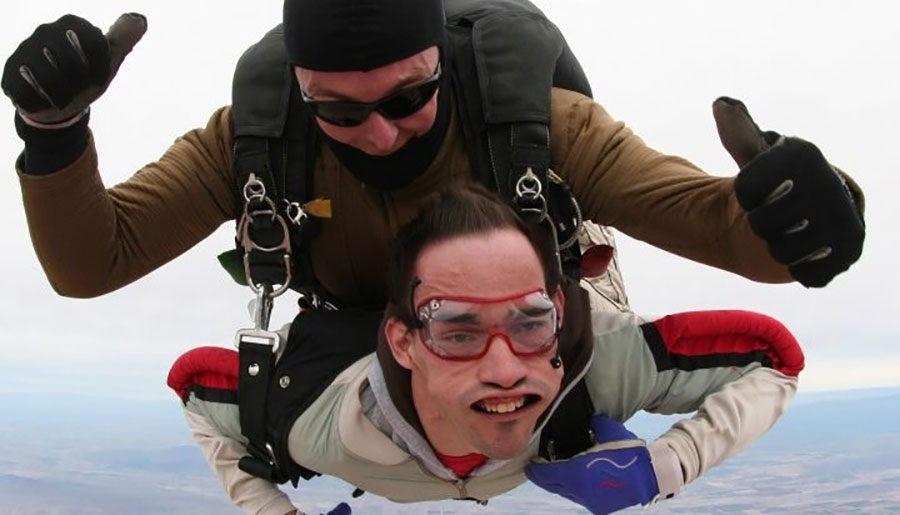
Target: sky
column 826, row 71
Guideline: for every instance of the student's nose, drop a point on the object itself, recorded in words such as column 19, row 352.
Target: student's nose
column 381, row 133
column 500, row 366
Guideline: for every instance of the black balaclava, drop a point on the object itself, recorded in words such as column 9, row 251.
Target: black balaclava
column 360, row 35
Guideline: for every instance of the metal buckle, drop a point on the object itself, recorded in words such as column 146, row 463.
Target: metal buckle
column 258, row 337
column 530, row 189
column 529, row 185
column 259, row 334
column 254, row 189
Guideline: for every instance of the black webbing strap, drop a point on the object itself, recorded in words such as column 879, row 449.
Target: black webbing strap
column 516, row 147
column 251, row 158
column 263, row 238
column 256, row 361
column 467, row 95
column 568, row 432
column 251, row 155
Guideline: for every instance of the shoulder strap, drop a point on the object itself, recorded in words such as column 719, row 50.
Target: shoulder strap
column 274, row 139
column 512, row 86
column 504, row 101
column 261, row 88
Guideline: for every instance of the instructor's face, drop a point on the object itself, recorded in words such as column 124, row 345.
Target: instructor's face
column 490, row 404
column 376, row 135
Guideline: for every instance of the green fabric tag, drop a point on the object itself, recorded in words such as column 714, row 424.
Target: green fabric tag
column 233, row 263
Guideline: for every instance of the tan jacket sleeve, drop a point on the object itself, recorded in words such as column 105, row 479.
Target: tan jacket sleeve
column 253, row 495
column 727, row 422
column 662, row 200
column 92, row 240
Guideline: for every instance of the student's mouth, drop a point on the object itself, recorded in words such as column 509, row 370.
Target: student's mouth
column 505, row 405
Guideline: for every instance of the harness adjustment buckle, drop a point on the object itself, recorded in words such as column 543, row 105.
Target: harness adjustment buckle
column 257, row 337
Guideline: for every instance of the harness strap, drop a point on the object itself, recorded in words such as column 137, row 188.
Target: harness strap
column 568, row 432
column 256, row 360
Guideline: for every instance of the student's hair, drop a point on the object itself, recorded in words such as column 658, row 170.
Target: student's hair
column 459, row 211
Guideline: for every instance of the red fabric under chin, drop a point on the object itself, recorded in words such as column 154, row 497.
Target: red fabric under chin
column 462, row 466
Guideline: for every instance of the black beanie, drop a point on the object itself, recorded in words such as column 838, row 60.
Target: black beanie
column 359, row 35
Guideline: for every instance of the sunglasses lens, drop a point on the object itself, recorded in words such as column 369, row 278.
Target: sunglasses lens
column 407, row 101
column 343, row 114
column 399, row 105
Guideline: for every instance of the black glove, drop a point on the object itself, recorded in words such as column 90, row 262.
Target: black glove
column 795, row 199
column 55, row 74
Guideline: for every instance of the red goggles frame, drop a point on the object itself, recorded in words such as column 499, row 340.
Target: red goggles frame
column 454, row 328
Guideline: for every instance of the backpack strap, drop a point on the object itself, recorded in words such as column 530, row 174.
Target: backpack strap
column 275, row 140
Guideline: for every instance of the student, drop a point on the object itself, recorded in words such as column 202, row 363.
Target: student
column 481, row 342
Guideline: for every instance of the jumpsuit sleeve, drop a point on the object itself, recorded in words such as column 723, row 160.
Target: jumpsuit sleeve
column 206, row 381
column 663, row 200
column 92, row 240
column 254, row 495
column 735, row 370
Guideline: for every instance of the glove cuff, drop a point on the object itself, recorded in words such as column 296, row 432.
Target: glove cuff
column 48, row 150
column 667, row 467
column 62, row 124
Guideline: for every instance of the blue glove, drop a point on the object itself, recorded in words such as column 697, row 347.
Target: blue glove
column 609, row 477
column 340, row 509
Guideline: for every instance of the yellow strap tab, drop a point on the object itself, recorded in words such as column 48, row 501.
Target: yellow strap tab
column 318, row 207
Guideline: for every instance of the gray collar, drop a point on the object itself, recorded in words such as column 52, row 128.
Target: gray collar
column 381, row 411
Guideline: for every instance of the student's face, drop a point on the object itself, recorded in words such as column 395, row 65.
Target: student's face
column 460, row 402
column 377, row 135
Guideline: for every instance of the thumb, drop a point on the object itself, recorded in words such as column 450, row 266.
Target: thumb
column 739, row 134
column 121, row 38
column 127, row 30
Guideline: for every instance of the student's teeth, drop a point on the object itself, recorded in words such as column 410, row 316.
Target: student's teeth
column 503, row 407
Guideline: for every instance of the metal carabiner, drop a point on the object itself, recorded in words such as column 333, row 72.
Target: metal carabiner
column 295, row 212
column 254, row 189
column 256, row 288
column 262, row 307
column 529, row 185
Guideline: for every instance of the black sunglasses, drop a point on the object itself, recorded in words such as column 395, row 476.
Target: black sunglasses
column 399, row 104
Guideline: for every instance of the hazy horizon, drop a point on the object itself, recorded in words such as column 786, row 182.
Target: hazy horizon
column 65, row 455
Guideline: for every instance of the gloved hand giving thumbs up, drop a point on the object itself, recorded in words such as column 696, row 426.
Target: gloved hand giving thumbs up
column 795, row 199
column 55, row 74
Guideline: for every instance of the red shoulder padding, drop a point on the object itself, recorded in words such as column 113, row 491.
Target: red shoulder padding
column 705, row 333
column 210, row 367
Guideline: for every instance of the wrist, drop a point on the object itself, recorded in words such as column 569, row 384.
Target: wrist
column 48, row 150
column 62, row 124
column 667, row 468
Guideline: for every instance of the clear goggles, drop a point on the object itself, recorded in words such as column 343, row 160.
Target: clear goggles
column 458, row 328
